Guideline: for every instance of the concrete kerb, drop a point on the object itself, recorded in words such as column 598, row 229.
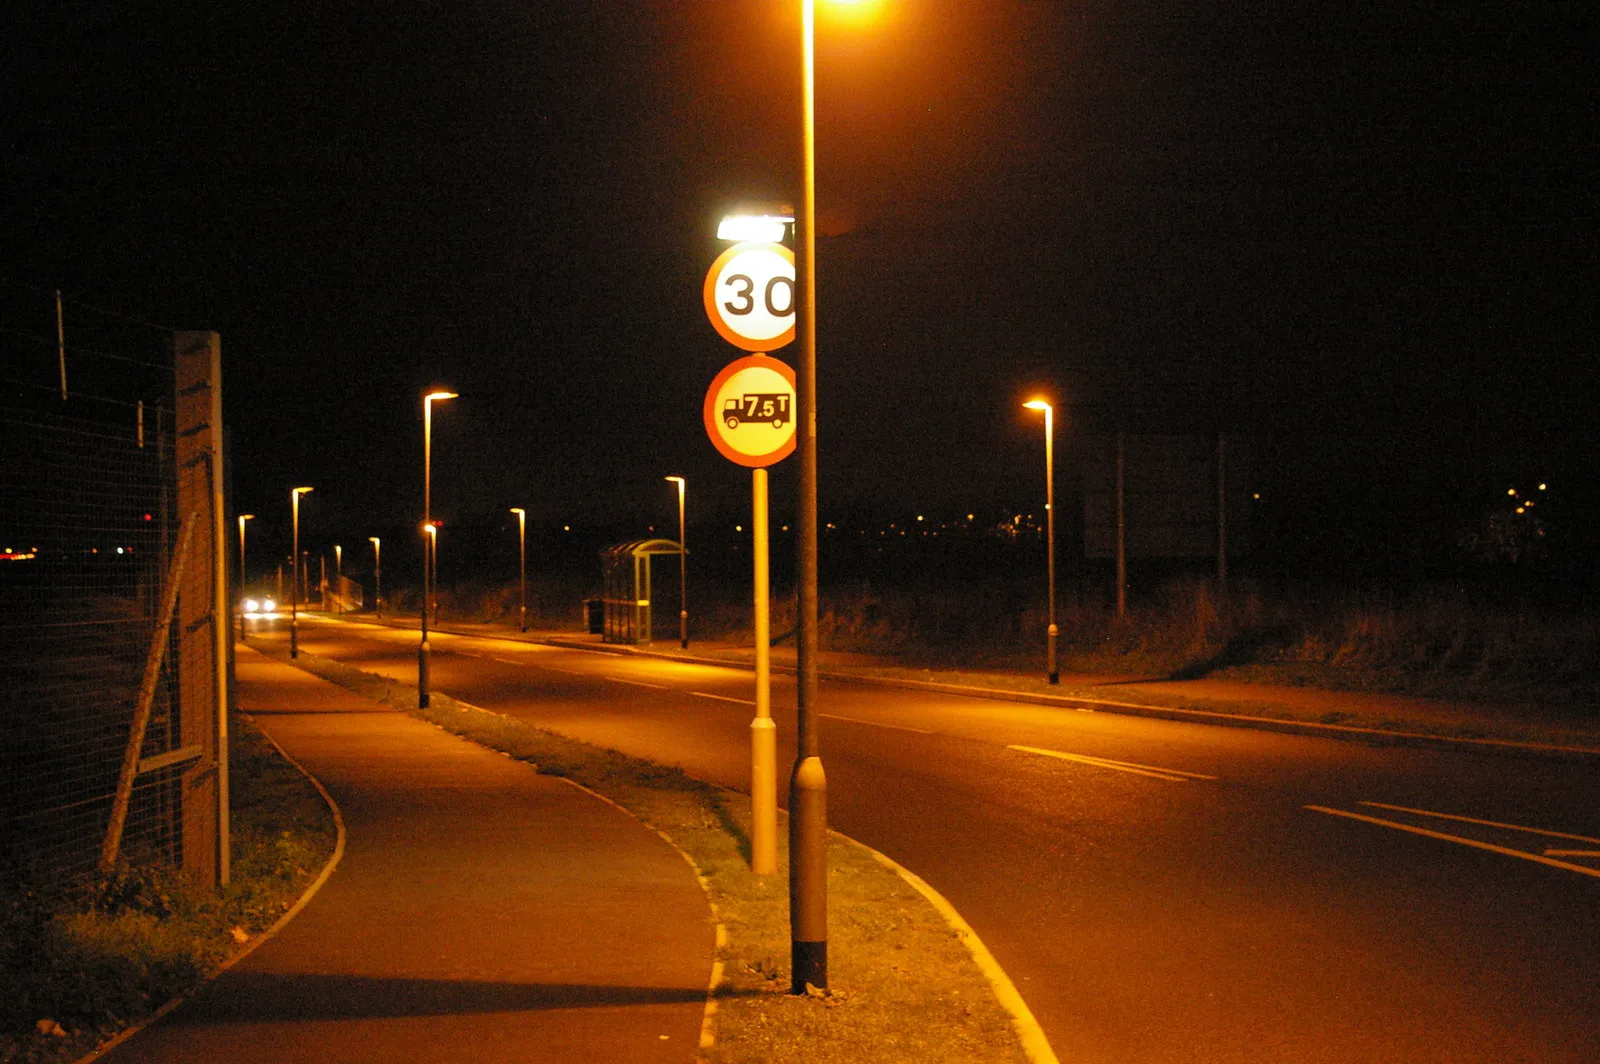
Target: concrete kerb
column 1035, row 1044
column 1345, row 732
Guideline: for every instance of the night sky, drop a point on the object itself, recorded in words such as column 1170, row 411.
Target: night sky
column 1361, row 235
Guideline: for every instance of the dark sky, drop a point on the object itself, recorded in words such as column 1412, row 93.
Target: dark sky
column 1363, row 234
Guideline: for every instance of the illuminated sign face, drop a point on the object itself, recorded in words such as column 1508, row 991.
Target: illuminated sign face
column 749, row 295
column 749, row 411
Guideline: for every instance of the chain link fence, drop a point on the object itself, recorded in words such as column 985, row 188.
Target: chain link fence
column 109, row 693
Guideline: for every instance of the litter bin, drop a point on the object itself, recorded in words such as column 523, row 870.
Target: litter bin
column 594, row 612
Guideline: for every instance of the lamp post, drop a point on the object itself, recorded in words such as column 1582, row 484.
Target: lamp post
column 683, row 568
column 242, row 519
column 377, row 575
column 1054, row 673
column 294, row 580
column 522, row 567
column 429, row 536
column 338, row 578
column 808, row 789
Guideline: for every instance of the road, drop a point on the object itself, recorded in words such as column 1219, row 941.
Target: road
column 1159, row 891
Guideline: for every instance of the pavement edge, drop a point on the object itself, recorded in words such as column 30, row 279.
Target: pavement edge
column 1034, row 1043
column 260, row 940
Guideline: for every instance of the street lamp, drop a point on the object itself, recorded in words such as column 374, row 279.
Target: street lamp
column 683, row 568
column 377, row 575
column 808, row 787
column 242, row 579
column 522, row 567
column 1054, row 673
column 338, row 577
column 294, row 581
column 430, row 535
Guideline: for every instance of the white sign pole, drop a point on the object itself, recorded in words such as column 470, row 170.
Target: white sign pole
column 763, row 732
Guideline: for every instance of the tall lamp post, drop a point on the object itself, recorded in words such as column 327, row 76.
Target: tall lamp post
column 808, row 788
column 683, row 568
column 429, row 534
column 294, row 579
column 338, row 578
column 242, row 519
column 1054, row 673
column 522, row 567
column 377, row 575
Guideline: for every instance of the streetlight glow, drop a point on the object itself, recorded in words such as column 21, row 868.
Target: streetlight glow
column 1053, row 672
column 377, row 575
column 242, row 578
column 430, row 543
column 294, row 575
column 522, row 567
column 683, row 567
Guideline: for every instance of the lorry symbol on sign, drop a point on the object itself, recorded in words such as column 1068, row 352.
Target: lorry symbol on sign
column 756, row 406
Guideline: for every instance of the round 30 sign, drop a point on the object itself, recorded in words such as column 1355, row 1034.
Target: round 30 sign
column 749, row 411
column 749, row 295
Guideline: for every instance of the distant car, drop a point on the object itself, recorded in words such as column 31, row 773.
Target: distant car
column 264, row 605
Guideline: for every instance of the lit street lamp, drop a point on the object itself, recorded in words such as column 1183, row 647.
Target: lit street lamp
column 683, row 569
column 522, row 567
column 1054, row 673
column 430, row 535
column 294, row 588
column 338, row 578
column 808, row 787
column 377, row 575
column 242, row 578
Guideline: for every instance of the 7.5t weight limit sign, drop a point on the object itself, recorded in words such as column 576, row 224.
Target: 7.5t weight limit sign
column 749, row 411
column 749, row 295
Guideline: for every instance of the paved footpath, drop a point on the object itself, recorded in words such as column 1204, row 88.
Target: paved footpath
column 481, row 912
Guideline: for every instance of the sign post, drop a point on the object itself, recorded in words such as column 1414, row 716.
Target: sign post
column 749, row 416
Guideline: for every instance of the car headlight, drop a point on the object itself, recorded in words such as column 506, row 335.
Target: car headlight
column 250, row 605
column 268, row 606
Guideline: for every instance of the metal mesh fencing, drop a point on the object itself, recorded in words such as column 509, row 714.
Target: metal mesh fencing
column 92, row 494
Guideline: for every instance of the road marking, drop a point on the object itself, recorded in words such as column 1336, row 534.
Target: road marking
column 1485, row 823
column 1572, row 853
column 1491, row 847
column 876, row 723
column 508, row 661
column 722, row 698
column 1171, row 775
column 637, row 683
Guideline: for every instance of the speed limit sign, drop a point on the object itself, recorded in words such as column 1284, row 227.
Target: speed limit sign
column 749, row 295
column 749, row 411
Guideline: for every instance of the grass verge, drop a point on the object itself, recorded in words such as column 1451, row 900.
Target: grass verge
column 903, row 983
column 87, row 958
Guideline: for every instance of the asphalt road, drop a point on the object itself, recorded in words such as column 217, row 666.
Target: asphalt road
column 1159, row 891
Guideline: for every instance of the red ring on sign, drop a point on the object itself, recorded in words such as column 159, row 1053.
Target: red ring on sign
column 712, row 415
column 708, row 295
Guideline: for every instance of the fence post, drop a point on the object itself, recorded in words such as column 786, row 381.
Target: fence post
column 202, row 609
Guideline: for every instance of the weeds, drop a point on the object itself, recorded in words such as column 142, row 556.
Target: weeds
column 89, row 956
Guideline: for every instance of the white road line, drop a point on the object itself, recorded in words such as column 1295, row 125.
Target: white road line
column 876, row 723
column 722, row 698
column 508, row 661
column 637, row 683
column 1171, row 775
column 1502, row 850
column 1572, row 853
column 1485, row 823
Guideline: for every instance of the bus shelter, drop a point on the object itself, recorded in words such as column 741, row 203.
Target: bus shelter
column 626, row 594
